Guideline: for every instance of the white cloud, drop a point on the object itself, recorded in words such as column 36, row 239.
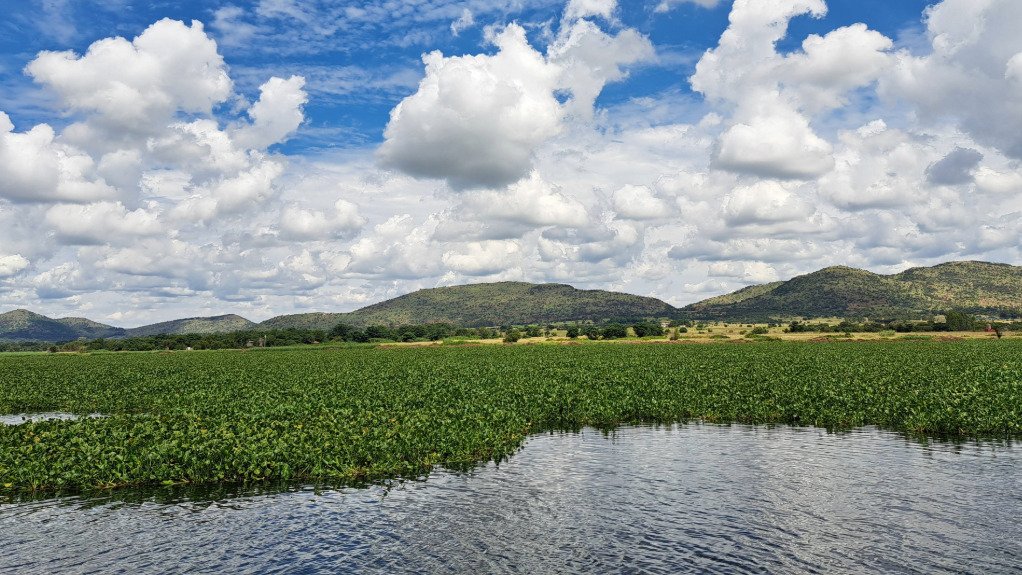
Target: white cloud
column 971, row 74
column 476, row 120
column 139, row 85
column 749, row 272
column 12, row 265
column 300, row 224
column 589, row 59
column 531, row 201
column 777, row 143
column 775, row 96
column 578, row 9
column 764, row 202
column 101, row 223
column 990, row 181
column 668, row 5
column 639, row 203
column 36, row 168
column 465, row 21
column 276, row 115
column 483, row 258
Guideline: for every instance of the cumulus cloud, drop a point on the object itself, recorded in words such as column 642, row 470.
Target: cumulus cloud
column 12, row 265
column 589, row 59
column 139, row 85
column 276, row 115
column 578, row 9
column 300, row 224
column 476, row 120
column 639, row 203
column 483, row 258
column 36, row 168
column 764, row 202
column 775, row 96
column 101, row 223
column 971, row 73
column 532, row 202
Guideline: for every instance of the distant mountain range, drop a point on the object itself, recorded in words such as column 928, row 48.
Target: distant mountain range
column 978, row 287
column 490, row 304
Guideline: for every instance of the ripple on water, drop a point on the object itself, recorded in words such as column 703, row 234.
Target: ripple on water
column 679, row 499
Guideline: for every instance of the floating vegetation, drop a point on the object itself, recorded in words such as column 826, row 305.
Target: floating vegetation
column 324, row 415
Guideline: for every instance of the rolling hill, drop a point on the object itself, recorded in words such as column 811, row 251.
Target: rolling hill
column 977, row 287
column 216, row 324
column 23, row 325
column 490, row 304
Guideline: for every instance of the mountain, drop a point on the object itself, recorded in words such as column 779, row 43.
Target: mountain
column 23, row 325
column 977, row 287
column 217, row 324
column 490, row 304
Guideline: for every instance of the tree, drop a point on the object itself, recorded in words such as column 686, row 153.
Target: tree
column 573, row 332
column 644, row 329
column 614, row 331
column 959, row 321
column 512, row 335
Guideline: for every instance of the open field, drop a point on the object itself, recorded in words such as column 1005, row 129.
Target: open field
column 352, row 413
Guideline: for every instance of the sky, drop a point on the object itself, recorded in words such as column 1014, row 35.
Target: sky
column 173, row 159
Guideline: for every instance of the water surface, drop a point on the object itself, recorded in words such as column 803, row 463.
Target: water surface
column 682, row 499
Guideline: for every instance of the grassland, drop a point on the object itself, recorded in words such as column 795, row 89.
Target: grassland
column 331, row 415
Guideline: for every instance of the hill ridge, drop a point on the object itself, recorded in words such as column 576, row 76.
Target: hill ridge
column 840, row 291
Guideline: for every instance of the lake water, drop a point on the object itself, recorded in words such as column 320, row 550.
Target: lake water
column 682, row 499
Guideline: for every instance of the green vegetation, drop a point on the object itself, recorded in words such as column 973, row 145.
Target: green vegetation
column 194, row 325
column 490, row 304
column 23, row 325
column 338, row 414
column 973, row 287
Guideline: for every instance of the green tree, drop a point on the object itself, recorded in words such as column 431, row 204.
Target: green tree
column 959, row 321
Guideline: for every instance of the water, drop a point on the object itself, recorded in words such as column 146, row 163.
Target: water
column 19, row 418
column 686, row 499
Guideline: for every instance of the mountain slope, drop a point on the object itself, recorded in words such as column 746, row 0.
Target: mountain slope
column 979, row 287
column 216, row 324
column 23, row 325
column 490, row 304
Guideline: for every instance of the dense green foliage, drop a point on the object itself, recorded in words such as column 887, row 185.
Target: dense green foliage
column 491, row 304
column 332, row 415
column 973, row 287
column 195, row 325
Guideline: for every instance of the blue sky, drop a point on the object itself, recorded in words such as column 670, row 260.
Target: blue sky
column 365, row 70
column 167, row 159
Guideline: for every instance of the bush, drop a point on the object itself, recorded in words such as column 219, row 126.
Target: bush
column 759, row 330
column 512, row 336
column 614, row 331
column 573, row 332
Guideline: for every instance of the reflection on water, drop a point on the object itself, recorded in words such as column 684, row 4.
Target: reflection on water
column 19, row 418
column 685, row 499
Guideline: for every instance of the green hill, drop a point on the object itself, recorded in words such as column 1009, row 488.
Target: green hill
column 217, row 324
column 490, row 304
column 23, row 325
column 977, row 287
